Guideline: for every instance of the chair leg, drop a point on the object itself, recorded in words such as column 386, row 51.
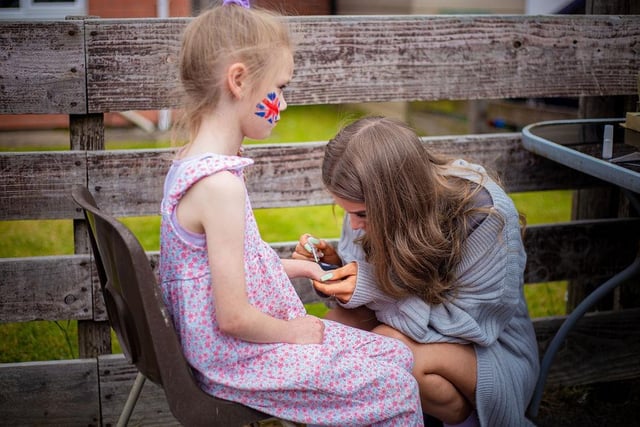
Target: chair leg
column 132, row 399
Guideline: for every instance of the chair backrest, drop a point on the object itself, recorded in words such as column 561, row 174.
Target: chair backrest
column 127, row 282
column 139, row 317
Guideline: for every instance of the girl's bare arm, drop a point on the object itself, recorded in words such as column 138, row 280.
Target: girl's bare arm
column 219, row 203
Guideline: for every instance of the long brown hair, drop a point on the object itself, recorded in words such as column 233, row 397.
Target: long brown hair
column 217, row 38
column 418, row 215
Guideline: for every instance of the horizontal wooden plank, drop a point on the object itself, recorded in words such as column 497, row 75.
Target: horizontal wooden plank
column 116, row 379
column 344, row 59
column 587, row 250
column 129, row 182
column 139, row 183
column 601, row 347
column 518, row 169
column 286, row 175
column 60, row 393
column 42, row 67
column 339, row 59
column 583, row 249
column 38, row 185
column 45, row 288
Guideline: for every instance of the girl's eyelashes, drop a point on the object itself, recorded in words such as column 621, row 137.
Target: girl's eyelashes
column 361, row 214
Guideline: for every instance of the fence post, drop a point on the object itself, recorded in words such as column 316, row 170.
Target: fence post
column 86, row 132
column 94, row 337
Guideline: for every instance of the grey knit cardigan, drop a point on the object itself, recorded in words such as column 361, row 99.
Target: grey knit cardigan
column 489, row 309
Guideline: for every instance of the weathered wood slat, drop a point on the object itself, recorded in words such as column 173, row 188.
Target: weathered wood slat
column 339, row 59
column 603, row 346
column 517, row 168
column 131, row 63
column 138, row 186
column 45, row 288
column 458, row 57
column 129, row 182
column 116, row 378
column 594, row 249
column 116, row 72
column 38, row 185
column 57, row 393
column 42, row 67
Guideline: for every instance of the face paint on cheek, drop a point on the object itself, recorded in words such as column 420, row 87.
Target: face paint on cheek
column 269, row 108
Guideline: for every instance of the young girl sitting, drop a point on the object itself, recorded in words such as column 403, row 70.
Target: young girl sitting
column 242, row 327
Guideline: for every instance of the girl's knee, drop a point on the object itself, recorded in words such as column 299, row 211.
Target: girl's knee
column 437, row 390
column 441, row 399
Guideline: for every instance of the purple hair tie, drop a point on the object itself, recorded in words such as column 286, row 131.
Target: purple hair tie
column 243, row 3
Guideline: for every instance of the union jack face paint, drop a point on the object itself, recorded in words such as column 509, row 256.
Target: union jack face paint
column 269, row 108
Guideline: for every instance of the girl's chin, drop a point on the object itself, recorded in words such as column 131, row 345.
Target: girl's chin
column 265, row 134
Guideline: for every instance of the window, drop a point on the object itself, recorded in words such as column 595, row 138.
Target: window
column 41, row 9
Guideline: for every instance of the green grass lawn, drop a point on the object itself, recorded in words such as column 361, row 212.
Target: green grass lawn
column 58, row 340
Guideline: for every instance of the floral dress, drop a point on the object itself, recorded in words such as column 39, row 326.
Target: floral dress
column 354, row 378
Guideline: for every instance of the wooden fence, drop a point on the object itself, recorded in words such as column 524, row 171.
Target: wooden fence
column 86, row 67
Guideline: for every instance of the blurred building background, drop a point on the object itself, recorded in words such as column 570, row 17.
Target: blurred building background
column 59, row 9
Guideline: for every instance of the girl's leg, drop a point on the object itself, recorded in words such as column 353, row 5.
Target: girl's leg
column 446, row 375
column 441, row 399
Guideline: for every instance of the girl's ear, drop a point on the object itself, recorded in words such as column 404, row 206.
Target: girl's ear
column 236, row 78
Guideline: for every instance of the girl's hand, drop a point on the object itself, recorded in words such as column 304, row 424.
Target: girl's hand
column 325, row 251
column 339, row 283
column 306, row 330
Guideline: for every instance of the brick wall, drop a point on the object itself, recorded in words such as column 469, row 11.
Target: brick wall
column 136, row 9
column 297, row 7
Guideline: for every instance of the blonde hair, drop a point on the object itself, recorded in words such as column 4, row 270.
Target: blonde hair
column 217, row 38
column 418, row 215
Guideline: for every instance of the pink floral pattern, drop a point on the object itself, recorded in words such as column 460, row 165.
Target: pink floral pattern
column 354, row 378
